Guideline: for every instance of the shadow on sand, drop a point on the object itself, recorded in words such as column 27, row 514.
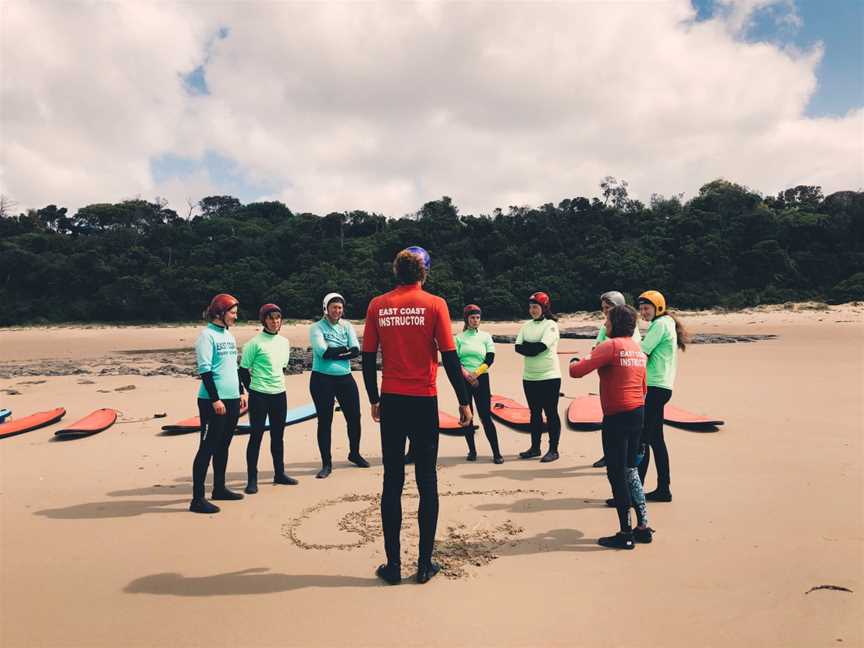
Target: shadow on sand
column 256, row 580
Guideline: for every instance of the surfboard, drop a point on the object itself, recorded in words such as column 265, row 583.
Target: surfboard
column 449, row 424
column 511, row 412
column 32, row 422
column 682, row 418
column 585, row 413
column 96, row 421
column 4, row 414
column 192, row 424
column 292, row 416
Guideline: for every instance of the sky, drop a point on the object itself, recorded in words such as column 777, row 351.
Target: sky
column 384, row 106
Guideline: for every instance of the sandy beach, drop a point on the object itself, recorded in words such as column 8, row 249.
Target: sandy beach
column 97, row 547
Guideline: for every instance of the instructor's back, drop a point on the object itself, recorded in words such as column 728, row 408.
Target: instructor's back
column 410, row 326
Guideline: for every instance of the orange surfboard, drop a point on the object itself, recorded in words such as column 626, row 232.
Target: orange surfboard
column 682, row 418
column 192, row 424
column 94, row 422
column 449, row 424
column 512, row 412
column 585, row 413
column 32, row 422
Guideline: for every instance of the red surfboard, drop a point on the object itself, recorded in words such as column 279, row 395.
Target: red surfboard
column 512, row 412
column 585, row 413
column 449, row 424
column 192, row 424
column 682, row 418
column 94, row 422
column 32, row 422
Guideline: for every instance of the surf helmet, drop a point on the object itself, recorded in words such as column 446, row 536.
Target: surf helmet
column 542, row 299
column 470, row 309
column 266, row 309
column 423, row 254
column 613, row 297
column 220, row 304
column 656, row 299
column 329, row 297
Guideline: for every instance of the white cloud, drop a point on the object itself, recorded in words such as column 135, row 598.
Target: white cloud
column 385, row 106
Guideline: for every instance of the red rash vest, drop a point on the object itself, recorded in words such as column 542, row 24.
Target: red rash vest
column 411, row 327
column 620, row 364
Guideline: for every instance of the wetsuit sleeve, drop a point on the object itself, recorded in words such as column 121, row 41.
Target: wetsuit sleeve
column 245, row 379
column 317, row 342
column 370, row 330
column 489, row 359
column 370, row 374
column 210, row 385
column 353, row 352
column 530, row 349
column 335, row 353
column 454, row 374
column 652, row 338
column 600, row 357
column 444, row 329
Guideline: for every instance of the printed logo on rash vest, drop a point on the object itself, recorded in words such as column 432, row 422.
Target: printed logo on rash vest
column 407, row 316
column 631, row 358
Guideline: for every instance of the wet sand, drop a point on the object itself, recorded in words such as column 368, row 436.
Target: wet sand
column 97, row 548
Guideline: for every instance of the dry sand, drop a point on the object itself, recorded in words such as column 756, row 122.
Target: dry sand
column 97, row 548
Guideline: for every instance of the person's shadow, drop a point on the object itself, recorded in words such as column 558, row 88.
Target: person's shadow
column 255, row 580
column 539, row 504
column 528, row 473
column 552, row 540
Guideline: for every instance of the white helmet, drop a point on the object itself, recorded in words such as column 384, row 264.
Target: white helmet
column 329, row 297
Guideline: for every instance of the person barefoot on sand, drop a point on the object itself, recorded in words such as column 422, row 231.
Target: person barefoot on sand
column 608, row 301
column 541, row 376
column 261, row 370
column 664, row 333
column 620, row 364
column 220, row 399
column 334, row 343
column 476, row 354
column 410, row 326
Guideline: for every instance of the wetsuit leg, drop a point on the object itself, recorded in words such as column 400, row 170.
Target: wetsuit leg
column 349, row 400
column 652, row 436
column 323, row 394
column 394, row 426
column 206, row 447
column 257, row 420
column 483, row 400
column 469, row 431
column 551, row 392
column 634, row 485
column 614, row 437
column 227, row 423
column 534, row 396
column 277, row 407
column 424, row 440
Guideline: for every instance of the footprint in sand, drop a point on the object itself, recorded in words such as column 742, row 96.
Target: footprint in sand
column 460, row 548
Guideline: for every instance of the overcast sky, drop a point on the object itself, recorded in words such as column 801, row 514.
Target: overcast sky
column 384, row 106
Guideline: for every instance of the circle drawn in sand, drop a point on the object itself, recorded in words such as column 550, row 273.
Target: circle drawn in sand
column 460, row 547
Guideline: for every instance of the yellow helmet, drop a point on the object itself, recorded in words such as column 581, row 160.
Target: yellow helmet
column 656, row 299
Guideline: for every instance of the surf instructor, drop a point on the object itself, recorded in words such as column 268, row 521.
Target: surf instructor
column 220, row 399
column 410, row 326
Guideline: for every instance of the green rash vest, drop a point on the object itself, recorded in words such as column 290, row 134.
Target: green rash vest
column 216, row 351
column 265, row 356
column 543, row 366
column 322, row 336
column 472, row 346
column 601, row 335
column 659, row 345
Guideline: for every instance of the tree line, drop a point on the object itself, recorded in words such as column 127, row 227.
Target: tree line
column 139, row 261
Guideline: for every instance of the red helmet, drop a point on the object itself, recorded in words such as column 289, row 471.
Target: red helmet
column 266, row 309
column 542, row 299
column 470, row 309
column 220, row 304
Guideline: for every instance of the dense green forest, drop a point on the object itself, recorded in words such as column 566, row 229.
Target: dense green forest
column 140, row 261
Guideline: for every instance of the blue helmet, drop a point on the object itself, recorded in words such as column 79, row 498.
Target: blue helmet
column 423, row 254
